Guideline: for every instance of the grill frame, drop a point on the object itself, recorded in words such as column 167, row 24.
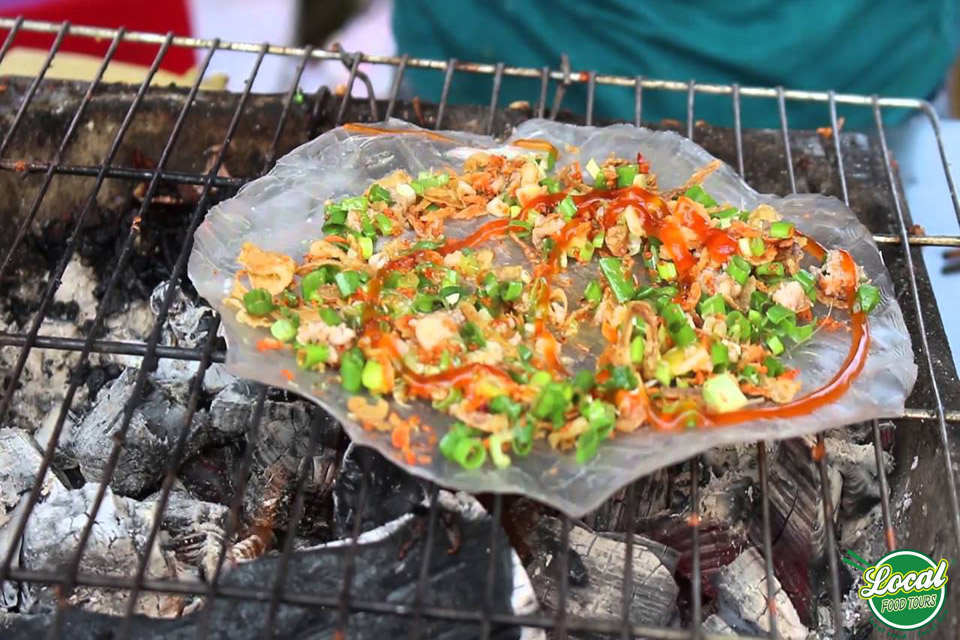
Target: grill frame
column 344, row 602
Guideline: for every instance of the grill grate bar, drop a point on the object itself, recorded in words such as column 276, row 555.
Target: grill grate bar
column 345, row 101
column 85, row 348
column 395, row 88
column 372, row 606
column 638, row 101
column 170, row 476
column 271, row 156
column 627, row 590
column 213, row 589
column 544, row 86
column 416, row 629
column 494, row 97
column 447, row 79
column 918, row 308
column 767, row 537
column 11, row 36
column 491, row 567
column 562, row 625
column 32, row 90
column 819, row 453
column 296, row 513
column 591, row 95
column 58, row 154
column 137, row 394
column 344, row 601
column 934, row 119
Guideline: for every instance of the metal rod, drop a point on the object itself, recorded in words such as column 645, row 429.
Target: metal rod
column 782, row 107
column 485, row 627
column 738, row 130
column 11, row 36
column 395, row 88
column 416, row 628
column 767, row 538
column 638, row 102
column 344, row 601
column 494, row 97
column 921, row 325
column 562, row 625
column 544, row 86
column 591, row 95
column 820, row 454
column 445, row 93
column 32, row 90
column 627, row 589
column 354, row 67
column 889, row 533
column 947, row 168
column 696, row 575
column 835, row 127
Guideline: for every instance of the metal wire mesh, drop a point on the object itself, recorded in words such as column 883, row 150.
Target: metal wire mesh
column 346, row 602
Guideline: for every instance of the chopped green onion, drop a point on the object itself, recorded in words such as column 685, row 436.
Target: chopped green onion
column 770, row 269
column 612, row 269
column 719, row 354
column 684, row 336
column 750, row 374
column 758, row 300
column 586, row 253
column 510, row 291
column 453, row 396
column 503, row 404
column 522, row 442
column 584, row 380
column 868, row 297
column 358, row 203
column 311, row 355
column 776, row 346
column 541, row 379
column 384, row 224
column 636, row 349
column 757, row 247
column 499, row 458
column 587, row 443
column 774, row 367
column 713, row 305
column 372, row 376
column 781, row 229
column 366, row 247
column 697, row 194
column 379, row 194
column 567, row 208
column 809, row 283
column 347, row 282
column 673, row 316
column 457, row 432
column 472, row 335
column 621, row 378
column 597, row 241
column 351, row 370
column 667, row 270
column 800, row 333
column 408, row 280
column 429, row 245
column 662, row 373
column 258, row 302
column 725, row 214
column 552, row 184
column 778, row 313
column 450, row 295
column 426, row 303
column 601, row 416
column 756, row 318
column 429, row 182
column 739, row 269
column 313, row 281
column 738, row 327
column 626, row 174
column 593, row 293
column 334, row 214
column 284, row 329
column 520, row 227
column 470, row 453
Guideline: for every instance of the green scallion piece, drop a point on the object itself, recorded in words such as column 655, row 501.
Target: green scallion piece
column 310, row 356
column 779, row 313
column 775, row 345
column 774, row 366
column 472, row 335
column 593, row 293
column 504, row 405
column 347, row 282
column 612, row 269
column 584, row 381
column 426, row 303
column 667, row 270
column 359, row 203
column 499, row 458
column 284, row 329
column 522, row 442
column 868, row 297
column 626, row 174
column 552, row 184
column 311, row 282
column 510, row 291
column 757, row 247
column 470, row 453
column 372, row 376
column 713, row 305
column 781, row 229
column 453, row 396
column 697, row 194
column 429, row 245
column 384, row 224
column 587, row 443
column 684, row 336
column 809, row 283
column 726, row 214
column 366, row 247
column 334, row 214
column 636, row 349
column 457, row 432
column 351, row 370
column 719, row 354
column 567, row 208
column 379, row 194
column 739, row 269
column 258, row 302
column 770, row 269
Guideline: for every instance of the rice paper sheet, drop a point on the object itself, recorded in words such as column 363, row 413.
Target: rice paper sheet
column 283, row 211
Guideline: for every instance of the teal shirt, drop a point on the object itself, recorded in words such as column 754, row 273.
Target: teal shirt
column 891, row 48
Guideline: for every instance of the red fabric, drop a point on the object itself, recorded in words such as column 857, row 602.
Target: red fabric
column 159, row 16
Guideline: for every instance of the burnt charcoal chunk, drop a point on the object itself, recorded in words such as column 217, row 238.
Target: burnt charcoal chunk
column 595, row 573
column 380, row 575
column 391, row 492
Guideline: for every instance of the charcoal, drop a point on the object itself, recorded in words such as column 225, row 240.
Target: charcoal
column 857, row 465
column 391, row 492
column 742, row 599
column 382, row 573
column 151, row 437
column 595, row 574
column 715, row 624
column 209, row 474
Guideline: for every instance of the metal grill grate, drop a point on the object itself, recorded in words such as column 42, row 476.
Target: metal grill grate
column 346, row 602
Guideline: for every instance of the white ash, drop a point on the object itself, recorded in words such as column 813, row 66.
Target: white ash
column 857, row 463
column 595, row 575
column 77, row 286
column 20, row 461
column 742, row 598
column 152, row 434
column 715, row 624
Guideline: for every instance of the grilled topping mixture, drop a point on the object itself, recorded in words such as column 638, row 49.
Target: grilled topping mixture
column 696, row 301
